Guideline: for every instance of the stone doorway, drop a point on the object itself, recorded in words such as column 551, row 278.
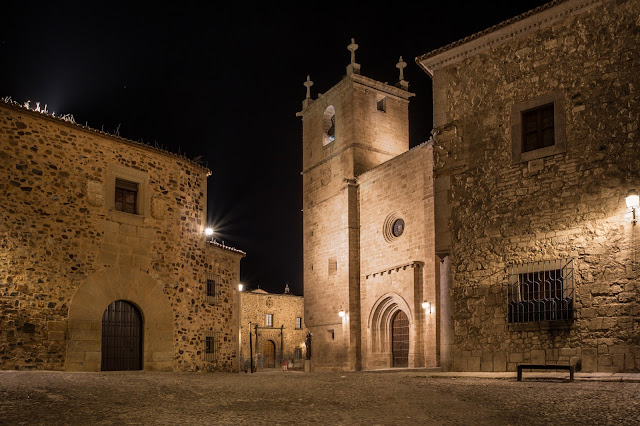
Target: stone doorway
column 269, row 354
column 400, row 340
column 121, row 337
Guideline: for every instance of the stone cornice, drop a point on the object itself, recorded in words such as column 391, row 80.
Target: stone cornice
column 521, row 25
column 398, row 268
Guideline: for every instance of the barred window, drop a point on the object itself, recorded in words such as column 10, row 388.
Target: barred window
column 298, row 353
column 212, row 290
column 269, row 320
column 540, row 291
column 211, row 346
column 298, row 323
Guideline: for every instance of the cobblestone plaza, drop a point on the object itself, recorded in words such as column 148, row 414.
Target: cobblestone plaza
column 404, row 397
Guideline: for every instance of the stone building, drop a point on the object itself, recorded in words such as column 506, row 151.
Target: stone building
column 103, row 260
column 536, row 148
column 281, row 329
column 512, row 224
column 368, row 228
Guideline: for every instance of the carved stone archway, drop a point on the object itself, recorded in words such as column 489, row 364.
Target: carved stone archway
column 380, row 324
column 84, row 328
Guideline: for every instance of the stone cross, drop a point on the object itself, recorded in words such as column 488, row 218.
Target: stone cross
column 352, row 48
column 308, row 85
column 401, row 65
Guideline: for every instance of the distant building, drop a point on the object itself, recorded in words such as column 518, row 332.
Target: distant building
column 281, row 330
column 506, row 238
column 103, row 260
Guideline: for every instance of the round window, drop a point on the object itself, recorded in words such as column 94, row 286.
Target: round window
column 398, row 227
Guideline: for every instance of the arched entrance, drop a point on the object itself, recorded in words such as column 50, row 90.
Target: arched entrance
column 269, row 354
column 121, row 337
column 400, row 340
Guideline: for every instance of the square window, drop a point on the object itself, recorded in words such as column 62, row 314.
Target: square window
column 298, row 323
column 269, row 320
column 126, row 196
column 540, row 291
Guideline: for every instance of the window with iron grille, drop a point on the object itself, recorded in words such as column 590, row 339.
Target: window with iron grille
column 298, row 323
column 298, row 353
column 126, row 196
column 540, row 291
column 212, row 288
column 269, row 321
column 211, row 346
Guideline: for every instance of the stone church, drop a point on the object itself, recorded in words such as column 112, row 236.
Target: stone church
column 104, row 264
column 510, row 236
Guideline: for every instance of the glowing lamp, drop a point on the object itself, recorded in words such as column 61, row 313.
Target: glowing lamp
column 240, row 287
column 632, row 202
column 208, row 232
column 341, row 314
column 426, row 306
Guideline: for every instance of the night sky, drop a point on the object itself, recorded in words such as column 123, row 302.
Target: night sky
column 224, row 81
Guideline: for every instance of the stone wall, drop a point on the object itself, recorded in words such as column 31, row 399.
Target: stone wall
column 500, row 209
column 66, row 253
column 285, row 308
column 397, row 273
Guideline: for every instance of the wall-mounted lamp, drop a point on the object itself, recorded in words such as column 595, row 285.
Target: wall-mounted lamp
column 427, row 307
column 341, row 314
column 240, row 287
column 208, row 232
column 632, row 202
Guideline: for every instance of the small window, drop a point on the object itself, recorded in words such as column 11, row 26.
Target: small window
column 212, row 289
column 298, row 323
column 537, row 128
column 381, row 103
column 540, row 291
column 211, row 346
column 329, row 125
column 333, row 265
column 126, row 196
column 269, row 321
column 298, row 353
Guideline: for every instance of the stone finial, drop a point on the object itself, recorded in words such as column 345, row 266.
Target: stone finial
column 353, row 67
column 286, row 289
column 402, row 83
column 308, row 85
column 307, row 101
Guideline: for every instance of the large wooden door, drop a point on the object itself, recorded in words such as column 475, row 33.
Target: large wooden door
column 121, row 337
column 400, row 340
column 269, row 354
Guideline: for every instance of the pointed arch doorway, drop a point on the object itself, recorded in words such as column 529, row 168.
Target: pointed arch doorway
column 400, row 339
column 121, row 337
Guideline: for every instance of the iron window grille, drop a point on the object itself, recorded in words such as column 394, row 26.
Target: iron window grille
column 269, row 320
column 298, row 323
column 212, row 288
column 211, row 346
column 298, row 353
column 540, row 291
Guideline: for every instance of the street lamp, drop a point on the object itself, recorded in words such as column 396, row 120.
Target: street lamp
column 208, row 232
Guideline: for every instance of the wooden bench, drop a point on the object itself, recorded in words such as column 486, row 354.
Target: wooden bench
column 521, row 367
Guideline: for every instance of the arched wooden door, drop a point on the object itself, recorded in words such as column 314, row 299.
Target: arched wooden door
column 121, row 337
column 400, row 339
column 269, row 354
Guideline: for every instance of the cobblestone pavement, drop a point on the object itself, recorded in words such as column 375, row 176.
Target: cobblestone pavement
column 294, row 397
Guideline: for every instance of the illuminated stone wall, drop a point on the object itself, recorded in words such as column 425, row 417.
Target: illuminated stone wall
column 494, row 209
column 66, row 253
column 285, row 308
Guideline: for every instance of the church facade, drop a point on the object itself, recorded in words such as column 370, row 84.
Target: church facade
column 104, row 264
column 510, row 236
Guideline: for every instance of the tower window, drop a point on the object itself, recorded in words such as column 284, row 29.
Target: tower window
column 381, row 103
column 537, row 128
column 329, row 125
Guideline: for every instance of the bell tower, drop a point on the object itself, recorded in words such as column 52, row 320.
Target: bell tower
column 355, row 126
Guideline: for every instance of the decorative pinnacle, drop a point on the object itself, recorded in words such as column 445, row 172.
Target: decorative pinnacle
column 401, row 65
column 308, row 85
column 352, row 48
